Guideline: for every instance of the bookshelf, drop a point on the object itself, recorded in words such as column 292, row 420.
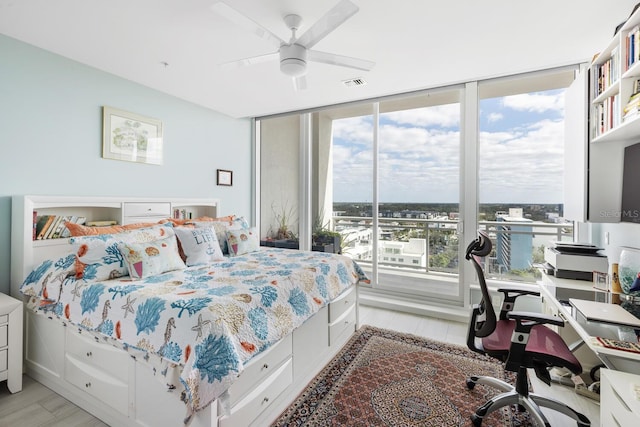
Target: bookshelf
column 596, row 130
column 614, row 76
column 25, row 208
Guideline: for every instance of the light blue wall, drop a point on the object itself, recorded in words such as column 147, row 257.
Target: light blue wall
column 51, row 139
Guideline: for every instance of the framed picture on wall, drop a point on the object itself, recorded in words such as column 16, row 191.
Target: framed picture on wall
column 225, row 177
column 131, row 137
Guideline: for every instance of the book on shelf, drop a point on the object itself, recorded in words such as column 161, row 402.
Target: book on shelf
column 631, row 106
column 631, row 114
column 632, row 46
column 53, row 227
column 58, row 225
column 35, row 224
column 182, row 214
column 43, row 225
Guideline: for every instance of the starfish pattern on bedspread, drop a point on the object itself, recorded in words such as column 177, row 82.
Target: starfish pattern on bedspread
column 207, row 320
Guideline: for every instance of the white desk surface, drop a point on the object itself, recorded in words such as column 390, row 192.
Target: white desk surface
column 618, row 359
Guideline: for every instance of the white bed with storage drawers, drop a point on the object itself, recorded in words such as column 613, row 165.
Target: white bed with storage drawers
column 80, row 352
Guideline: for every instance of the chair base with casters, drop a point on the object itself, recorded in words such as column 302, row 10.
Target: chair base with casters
column 520, row 340
column 530, row 402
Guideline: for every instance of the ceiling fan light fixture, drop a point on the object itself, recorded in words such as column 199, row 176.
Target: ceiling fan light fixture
column 293, row 67
column 293, row 60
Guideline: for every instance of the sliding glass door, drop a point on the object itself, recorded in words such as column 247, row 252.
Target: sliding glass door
column 404, row 182
column 418, row 181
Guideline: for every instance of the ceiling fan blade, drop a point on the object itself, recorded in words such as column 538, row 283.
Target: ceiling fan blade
column 248, row 24
column 250, row 61
column 299, row 83
column 344, row 61
column 329, row 22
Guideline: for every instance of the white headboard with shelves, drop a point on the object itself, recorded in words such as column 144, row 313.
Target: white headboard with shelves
column 27, row 253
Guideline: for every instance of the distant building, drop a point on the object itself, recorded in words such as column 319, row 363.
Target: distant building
column 356, row 240
column 514, row 242
column 412, row 253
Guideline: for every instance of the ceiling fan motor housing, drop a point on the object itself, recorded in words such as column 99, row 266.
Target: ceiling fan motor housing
column 293, row 60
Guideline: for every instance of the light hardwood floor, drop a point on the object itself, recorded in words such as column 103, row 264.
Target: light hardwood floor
column 37, row 406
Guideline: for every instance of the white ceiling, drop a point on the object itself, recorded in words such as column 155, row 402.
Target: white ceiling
column 415, row 44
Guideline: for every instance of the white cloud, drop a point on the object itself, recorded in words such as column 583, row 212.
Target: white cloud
column 523, row 167
column 495, row 117
column 419, row 161
column 441, row 115
column 535, row 102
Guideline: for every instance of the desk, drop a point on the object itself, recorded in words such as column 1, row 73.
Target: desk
column 553, row 291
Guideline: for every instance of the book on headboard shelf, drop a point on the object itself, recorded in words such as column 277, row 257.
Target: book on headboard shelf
column 43, row 224
column 35, row 224
column 53, row 226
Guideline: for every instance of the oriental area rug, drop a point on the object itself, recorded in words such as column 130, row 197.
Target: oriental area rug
column 387, row 378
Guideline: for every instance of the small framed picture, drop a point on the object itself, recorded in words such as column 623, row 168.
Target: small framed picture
column 225, row 177
column 601, row 281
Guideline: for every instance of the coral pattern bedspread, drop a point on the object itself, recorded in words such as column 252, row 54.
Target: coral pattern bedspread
column 208, row 320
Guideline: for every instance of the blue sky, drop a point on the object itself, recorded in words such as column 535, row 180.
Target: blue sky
column 521, row 152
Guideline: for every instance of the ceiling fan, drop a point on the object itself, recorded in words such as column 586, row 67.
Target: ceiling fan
column 295, row 53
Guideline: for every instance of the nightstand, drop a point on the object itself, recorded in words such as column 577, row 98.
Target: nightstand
column 11, row 342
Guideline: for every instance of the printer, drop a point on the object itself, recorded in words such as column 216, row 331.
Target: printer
column 570, row 260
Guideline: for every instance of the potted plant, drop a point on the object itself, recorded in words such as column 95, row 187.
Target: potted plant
column 325, row 240
column 284, row 237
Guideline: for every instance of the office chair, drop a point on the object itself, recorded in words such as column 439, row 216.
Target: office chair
column 521, row 341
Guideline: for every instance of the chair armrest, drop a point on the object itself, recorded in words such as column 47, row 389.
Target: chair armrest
column 533, row 319
column 509, row 299
column 518, row 292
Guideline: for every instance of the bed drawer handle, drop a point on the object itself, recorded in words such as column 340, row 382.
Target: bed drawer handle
column 87, row 385
column 89, row 354
column 621, row 400
column 265, row 400
column 265, row 366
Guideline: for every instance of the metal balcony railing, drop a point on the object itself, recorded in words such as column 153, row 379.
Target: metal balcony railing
column 431, row 245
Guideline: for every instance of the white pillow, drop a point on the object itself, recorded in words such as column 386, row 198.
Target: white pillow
column 99, row 258
column 243, row 241
column 221, row 228
column 199, row 244
column 151, row 258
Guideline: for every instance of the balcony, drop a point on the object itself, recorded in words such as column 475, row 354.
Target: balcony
column 428, row 249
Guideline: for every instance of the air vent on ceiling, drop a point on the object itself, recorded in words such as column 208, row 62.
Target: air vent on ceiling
column 359, row 81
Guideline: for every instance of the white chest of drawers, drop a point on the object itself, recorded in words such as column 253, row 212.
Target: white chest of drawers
column 11, row 342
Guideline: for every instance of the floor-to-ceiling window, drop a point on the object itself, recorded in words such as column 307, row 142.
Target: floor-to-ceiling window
column 401, row 179
column 520, row 176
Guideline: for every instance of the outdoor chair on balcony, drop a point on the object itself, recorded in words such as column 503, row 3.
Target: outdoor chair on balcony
column 520, row 340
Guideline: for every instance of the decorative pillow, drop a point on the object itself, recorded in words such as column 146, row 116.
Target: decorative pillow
column 98, row 257
column 199, row 244
column 84, row 230
column 221, row 228
column 243, row 241
column 151, row 258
